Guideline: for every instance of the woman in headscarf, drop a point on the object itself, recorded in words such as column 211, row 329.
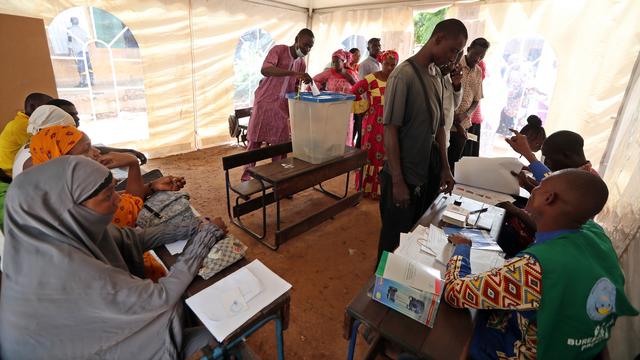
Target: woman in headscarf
column 55, row 141
column 43, row 117
column 71, row 286
column 338, row 78
column 373, row 85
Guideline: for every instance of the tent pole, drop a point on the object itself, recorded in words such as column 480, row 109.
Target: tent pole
column 194, row 85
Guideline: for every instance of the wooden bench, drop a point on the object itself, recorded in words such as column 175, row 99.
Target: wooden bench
column 243, row 190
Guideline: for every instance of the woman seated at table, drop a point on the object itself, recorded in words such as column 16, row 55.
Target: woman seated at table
column 55, row 141
column 71, row 282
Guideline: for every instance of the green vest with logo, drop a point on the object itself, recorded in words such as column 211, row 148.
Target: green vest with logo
column 582, row 294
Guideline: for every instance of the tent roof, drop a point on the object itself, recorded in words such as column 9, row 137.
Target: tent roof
column 323, row 4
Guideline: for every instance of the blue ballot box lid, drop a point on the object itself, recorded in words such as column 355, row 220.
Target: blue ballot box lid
column 324, row 97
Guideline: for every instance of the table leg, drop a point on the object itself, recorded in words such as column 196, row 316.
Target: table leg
column 352, row 339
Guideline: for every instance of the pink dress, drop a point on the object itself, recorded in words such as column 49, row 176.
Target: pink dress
column 269, row 120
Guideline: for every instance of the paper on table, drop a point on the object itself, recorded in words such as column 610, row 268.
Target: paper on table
column 176, row 247
column 230, row 303
column 472, row 137
column 481, row 195
column 489, row 173
column 314, row 89
column 485, row 260
column 272, row 287
column 439, row 244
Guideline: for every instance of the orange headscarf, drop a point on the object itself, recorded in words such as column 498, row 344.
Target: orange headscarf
column 52, row 142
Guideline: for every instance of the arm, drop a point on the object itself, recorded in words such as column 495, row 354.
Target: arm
column 360, row 88
column 321, row 79
column 459, row 280
column 347, row 75
column 519, row 144
column 394, row 113
column 446, row 178
column 139, row 155
column 270, row 67
column 135, row 183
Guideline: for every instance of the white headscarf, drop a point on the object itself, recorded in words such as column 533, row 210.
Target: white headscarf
column 48, row 115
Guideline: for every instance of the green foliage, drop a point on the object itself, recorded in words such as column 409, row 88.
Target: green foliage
column 424, row 23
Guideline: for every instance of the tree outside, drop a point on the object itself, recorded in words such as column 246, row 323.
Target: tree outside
column 424, row 22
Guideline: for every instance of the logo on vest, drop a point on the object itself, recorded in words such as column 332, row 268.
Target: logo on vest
column 602, row 299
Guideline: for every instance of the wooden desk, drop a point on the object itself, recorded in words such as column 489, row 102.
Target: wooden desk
column 448, row 339
column 279, row 308
column 451, row 334
column 292, row 175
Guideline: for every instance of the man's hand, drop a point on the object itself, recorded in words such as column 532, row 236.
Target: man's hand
column 217, row 221
column 456, row 75
column 115, row 160
column 168, row 183
column 525, row 182
column 462, row 131
column 446, row 182
column 401, row 196
column 508, row 207
column 304, row 77
column 519, row 144
column 457, row 239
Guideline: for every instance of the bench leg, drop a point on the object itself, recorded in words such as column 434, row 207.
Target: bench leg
column 238, row 221
column 321, row 189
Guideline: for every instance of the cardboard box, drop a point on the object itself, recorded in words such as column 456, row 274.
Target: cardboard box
column 408, row 287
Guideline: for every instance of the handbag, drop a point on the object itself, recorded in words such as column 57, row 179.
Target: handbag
column 166, row 207
column 224, row 253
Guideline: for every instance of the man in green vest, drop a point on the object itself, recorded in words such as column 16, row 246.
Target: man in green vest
column 559, row 298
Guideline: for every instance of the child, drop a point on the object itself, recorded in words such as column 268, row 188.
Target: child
column 569, row 276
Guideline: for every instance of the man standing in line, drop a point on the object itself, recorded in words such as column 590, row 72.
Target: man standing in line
column 472, row 93
column 413, row 125
column 371, row 64
column 283, row 67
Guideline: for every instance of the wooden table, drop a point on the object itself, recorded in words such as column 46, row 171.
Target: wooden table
column 448, row 339
column 451, row 334
column 290, row 176
column 278, row 310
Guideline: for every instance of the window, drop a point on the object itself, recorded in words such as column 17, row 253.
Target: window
column 423, row 24
column 97, row 66
column 521, row 76
column 356, row 41
column 251, row 50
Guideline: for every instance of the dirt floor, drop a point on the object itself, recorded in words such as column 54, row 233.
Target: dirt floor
column 327, row 265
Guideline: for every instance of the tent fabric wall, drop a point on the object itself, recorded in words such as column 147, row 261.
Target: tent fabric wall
column 173, row 69
column 595, row 44
column 394, row 25
column 621, row 215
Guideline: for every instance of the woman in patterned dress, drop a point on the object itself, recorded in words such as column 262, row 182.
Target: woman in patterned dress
column 372, row 129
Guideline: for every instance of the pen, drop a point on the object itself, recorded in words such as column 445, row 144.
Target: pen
column 479, row 211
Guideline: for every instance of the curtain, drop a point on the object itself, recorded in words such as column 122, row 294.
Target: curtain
column 187, row 50
column 393, row 25
column 591, row 50
column 621, row 215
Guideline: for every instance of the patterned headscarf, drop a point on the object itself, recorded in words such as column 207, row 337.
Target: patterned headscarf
column 387, row 53
column 53, row 142
column 342, row 55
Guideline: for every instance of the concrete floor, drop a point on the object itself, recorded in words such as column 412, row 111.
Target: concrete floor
column 326, row 265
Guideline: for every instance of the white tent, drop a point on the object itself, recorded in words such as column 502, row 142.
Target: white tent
column 193, row 61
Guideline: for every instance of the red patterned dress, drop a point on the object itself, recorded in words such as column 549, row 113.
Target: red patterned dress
column 372, row 132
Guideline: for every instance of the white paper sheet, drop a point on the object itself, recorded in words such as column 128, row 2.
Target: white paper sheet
column 224, row 292
column 176, row 247
column 489, row 173
column 314, row 89
column 485, row 260
column 481, row 195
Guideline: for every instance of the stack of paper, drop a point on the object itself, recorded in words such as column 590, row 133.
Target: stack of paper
column 408, row 287
column 455, row 215
column 224, row 306
column 489, row 173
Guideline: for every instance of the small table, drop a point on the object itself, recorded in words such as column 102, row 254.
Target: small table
column 448, row 339
column 451, row 334
column 290, row 176
column 278, row 310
